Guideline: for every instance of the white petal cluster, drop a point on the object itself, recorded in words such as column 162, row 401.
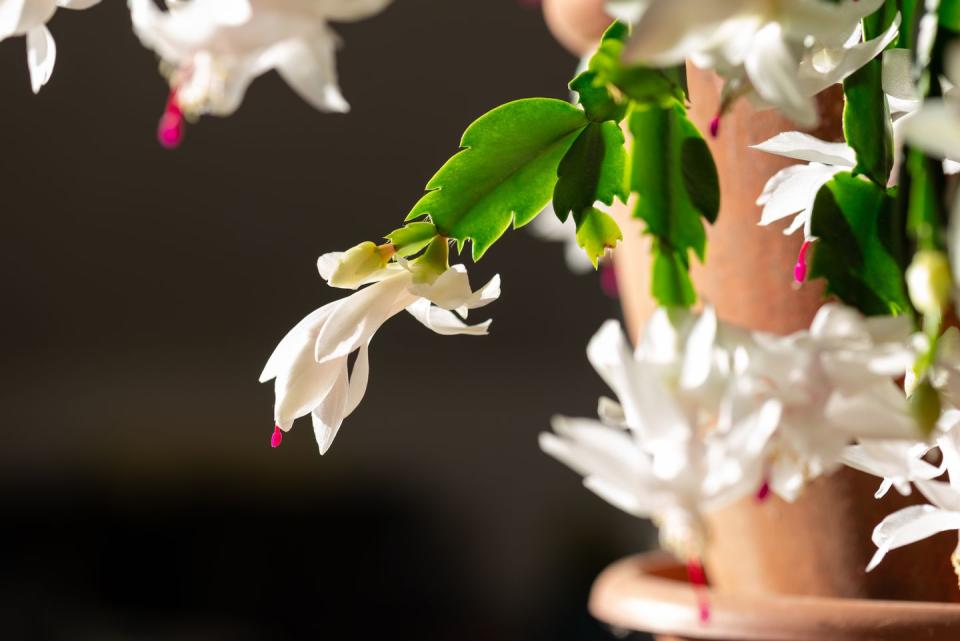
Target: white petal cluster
column 311, row 363
column 29, row 18
column 780, row 54
column 709, row 413
column 215, row 48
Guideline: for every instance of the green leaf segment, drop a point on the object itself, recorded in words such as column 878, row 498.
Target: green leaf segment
column 858, row 248
column 518, row 157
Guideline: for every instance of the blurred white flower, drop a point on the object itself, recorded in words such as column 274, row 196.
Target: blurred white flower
column 213, row 49
column 29, row 18
column 311, row 366
column 659, row 453
column 739, row 412
column 780, row 54
column 793, row 190
column 835, row 383
column 935, row 127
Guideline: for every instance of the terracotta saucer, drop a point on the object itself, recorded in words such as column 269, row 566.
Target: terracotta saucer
column 649, row 593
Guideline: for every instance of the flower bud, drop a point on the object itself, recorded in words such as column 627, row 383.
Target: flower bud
column 925, row 406
column 359, row 263
column 928, row 281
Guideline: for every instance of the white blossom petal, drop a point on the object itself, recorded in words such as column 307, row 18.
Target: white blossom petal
column 328, row 416
column 935, row 129
column 772, row 68
column 897, row 77
column 669, row 32
column 359, row 377
column 309, row 67
column 41, row 55
column 909, row 525
column 443, row 321
column 801, row 146
column 360, row 315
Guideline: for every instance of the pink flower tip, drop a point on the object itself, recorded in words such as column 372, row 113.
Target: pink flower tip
column 608, row 280
column 277, row 437
column 172, row 125
column 715, row 126
column 698, row 580
column 800, row 269
column 764, row 492
column 170, row 131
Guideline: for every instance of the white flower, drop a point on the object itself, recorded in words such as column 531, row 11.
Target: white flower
column 215, row 48
column 29, row 18
column 664, row 452
column 779, row 53
column 310, row 364
column 793, row 190
column 548, row 227
column 917, row 522
column 709, row 413
column 835, row 385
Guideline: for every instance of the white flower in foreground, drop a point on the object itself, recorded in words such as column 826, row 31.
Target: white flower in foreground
column 918, row 522
column 310, row 364
column 779, row 53
column 665, row 451
column 835, row 384
column 793, row 190
column 29, row 18
column 213, row 49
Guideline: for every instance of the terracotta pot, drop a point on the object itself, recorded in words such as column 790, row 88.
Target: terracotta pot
column 820, row 544
column 648, row 593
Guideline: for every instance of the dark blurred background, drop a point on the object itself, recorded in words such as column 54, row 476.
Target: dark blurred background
column 143, row 290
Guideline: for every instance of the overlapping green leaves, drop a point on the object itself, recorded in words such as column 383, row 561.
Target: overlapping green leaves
column 858, row 251
column 677, row 186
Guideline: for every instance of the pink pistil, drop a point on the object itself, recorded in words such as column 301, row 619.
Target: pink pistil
column 608, row 280
column 698, row 580
column 800, row 269
column 277, row 437
column 715, row 126
column 764, row 492
column 172, row 124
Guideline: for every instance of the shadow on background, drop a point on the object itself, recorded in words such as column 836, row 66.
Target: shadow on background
column 143, row 291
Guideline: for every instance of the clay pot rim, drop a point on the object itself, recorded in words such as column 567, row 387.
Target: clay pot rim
column 645, row 593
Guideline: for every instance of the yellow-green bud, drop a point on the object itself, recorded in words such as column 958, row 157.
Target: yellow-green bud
column 929, row 282
column 359, row 263
column 925, row 406
column 433, row 262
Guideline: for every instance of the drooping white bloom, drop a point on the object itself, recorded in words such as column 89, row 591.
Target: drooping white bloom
column 793, row 190
column 311, row 365
column 215, row 48
column 29, row 18
column 780, row 54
